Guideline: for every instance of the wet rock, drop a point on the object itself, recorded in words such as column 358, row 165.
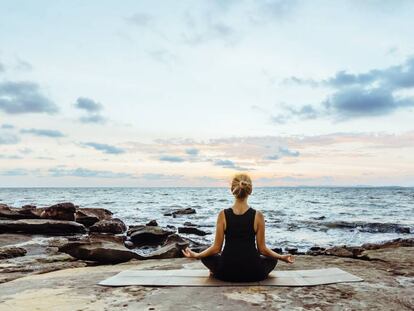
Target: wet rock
column 182, row 211
column 192, row 230
column 26, row 212
column 373, row 227
column 291, row 250
column 189, row 224
column 129, row 244
column 60, row 211
column 41, row 226
column 114, row 226
column 11, row 252
column 278, row 250
column 102, row 252
column 89, row 216
column 344, row 251
column 152, row 223
column 147, row 235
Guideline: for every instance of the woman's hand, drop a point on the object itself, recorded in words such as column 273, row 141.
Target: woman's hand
column 287, row 258
column 189, row 253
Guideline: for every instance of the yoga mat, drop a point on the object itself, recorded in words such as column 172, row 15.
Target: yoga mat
column 186, row 277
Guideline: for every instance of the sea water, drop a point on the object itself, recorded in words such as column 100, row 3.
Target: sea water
column 298, row 217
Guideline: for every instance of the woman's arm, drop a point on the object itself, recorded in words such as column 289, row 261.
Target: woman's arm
column 218, row 241
column 261, row 243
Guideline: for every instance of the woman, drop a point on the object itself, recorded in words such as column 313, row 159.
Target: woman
column 243, row 228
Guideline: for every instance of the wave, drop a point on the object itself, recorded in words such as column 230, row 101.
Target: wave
column 372, row 227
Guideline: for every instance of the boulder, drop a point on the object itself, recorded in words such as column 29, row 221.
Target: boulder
column 189, row 224
column 182, row 211
column 170, row 249
column 26, row 212
column 147, row 235
column 41, row 226
column 291, row 250
column 152, row 223
column 114, row 226
column 103, row 252
column 89, row 216
column 11, row 252
column 60, row 211
column 389, row 244
column 192, row 230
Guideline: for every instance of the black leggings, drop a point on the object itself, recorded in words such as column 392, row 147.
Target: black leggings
column 212, row 263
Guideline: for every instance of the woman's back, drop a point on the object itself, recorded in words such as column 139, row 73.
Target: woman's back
column 240, row 259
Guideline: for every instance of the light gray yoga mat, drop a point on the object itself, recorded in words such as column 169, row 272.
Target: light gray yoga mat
column 186, row 277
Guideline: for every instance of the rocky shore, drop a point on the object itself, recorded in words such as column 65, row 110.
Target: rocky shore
column 62, row 251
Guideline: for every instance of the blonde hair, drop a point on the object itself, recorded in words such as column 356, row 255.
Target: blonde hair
column 241, row 186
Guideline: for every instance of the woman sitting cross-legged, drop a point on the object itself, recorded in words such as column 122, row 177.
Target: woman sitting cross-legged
column 242, row 228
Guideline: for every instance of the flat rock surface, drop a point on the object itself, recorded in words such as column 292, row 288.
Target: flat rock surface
column 388, row 285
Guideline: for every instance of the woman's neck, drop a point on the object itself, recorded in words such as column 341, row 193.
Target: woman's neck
column 240, row 205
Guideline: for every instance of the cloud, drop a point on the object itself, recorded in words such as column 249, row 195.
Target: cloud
column 10, row 157
column 283, row 152
column 24, row 97
column 108, row 149
column 140, row 19
column 88, row 104
column 8, row 138
column 356, row 102
column 367, row 94
column 154, row 176
column 228, row 164
column 95, row 118
column 7, row 126
column 2, row 68
column 87, row 173
column 14, row 172
column 170, row 158
column 192, row 151
column 92, row 110
column 42, row 132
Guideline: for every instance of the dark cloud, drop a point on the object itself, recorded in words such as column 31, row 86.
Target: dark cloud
column 88, row 104
column 42, row 132
column 108, row 149
column 92, row 109
column 356, row 102
column 24, row 97
column 8, row 138
column 83, row 172
column 371, row 93
column 171, row 158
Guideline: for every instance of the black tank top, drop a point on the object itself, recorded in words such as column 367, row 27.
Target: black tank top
column 240, row 259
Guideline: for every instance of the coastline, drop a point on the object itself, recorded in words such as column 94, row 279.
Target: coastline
column 64, row 244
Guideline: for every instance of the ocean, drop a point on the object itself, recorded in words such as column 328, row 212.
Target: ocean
column 299, row 217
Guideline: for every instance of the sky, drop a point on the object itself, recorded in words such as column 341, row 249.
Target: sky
column 188, row 93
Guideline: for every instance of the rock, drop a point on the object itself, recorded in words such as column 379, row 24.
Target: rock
column 147, row 235
column 89, row 216
column 129, row 244
column 315, row 250
column 368, row 227
column 389, row 244
column 152, row 223
column 344, row 251
column 291, row 250
column 11, row 252
column 102, row 252
column 182, row 211
column 192, row 230
column 41, row 226
column 189, row 224
column 277, row 250
column 17, row 213
column 109, row 226
column 60, row 211
column 170, row 249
